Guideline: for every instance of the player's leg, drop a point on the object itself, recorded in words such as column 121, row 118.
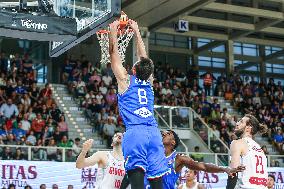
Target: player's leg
column 156, row 159
column 134, row 148
column 125, row 182
column 156, row 183
column 136, row 178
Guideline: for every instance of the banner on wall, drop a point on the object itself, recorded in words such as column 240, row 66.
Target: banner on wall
column 219, row 180
column 34, row 173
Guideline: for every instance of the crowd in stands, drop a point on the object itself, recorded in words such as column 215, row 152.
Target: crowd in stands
column 95, row 85
column 29, row 115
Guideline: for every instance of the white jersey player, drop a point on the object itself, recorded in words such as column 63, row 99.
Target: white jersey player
column 110, row 163
column 245, row 151
column 190, row 182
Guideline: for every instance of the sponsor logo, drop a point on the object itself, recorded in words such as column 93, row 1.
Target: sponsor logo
column 143, row 112
column 17, row 174
column 89, row 177
column 30, row 24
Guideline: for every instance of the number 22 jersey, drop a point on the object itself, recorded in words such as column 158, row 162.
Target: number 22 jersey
column 136, row 104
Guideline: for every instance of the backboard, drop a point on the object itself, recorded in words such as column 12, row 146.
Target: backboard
column 90, row 15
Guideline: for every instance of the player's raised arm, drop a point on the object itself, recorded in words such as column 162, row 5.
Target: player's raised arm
column 116, row 63
column 207, row 167
column 141, row 50
column 96, row 158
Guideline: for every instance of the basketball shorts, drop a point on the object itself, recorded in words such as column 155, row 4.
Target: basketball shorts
column 143, row 148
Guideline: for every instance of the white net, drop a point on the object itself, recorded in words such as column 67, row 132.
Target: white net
column 122, row 40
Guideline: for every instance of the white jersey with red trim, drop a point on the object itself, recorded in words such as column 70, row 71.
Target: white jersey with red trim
column 111, row 176
column 255, row 175
column 193, row 187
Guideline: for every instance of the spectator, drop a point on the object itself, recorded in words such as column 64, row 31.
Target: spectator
column 51, row 151
column 46, row 92
column 39, row 153
column 70, row 186
column 42, row 186
column 26, row 125
column 64, row 142
column 208, row 79
column 31, row 140
column 8, row 109
column 37, row 125
column 55, row 113
column 70, row 157
column 6, row 154
column 196, row 156
column 76, row 147
column 19, row 155
column 109, row 130
column 63, row 127
column 278, row 140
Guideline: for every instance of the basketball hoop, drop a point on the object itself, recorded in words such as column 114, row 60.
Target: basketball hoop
column 124, row 35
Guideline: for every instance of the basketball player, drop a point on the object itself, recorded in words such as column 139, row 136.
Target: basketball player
column 247, row 152
column 142, row 142
column 176, row 162
column 110, row 163
column 191, row 182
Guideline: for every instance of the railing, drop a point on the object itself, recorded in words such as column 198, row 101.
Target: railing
column 164, row 125
column 44, row 153
column 38, row 153
column 178, row 117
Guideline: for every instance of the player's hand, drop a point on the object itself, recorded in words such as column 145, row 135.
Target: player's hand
column 231, row 171
column 113, row 27
column 87, row 145
column 133, row 25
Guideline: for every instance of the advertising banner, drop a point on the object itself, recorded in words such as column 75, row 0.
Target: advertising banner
column 34, row 173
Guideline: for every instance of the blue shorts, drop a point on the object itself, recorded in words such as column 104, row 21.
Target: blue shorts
column 142, row 147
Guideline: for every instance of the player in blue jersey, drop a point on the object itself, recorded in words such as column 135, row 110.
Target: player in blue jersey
column 142, row 145
column 176, row 162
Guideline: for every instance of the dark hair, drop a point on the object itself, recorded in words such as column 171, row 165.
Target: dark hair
column 256, row 126
column 177, row 140
column 272, row 176
column 144, row 68
column 77, row 139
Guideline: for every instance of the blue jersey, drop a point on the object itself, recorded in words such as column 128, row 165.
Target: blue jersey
column 170, row 179
column 136, row 104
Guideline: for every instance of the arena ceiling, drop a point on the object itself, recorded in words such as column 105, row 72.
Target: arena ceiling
column 249, row 21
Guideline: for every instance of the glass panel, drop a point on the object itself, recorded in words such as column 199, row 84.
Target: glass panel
column 253, row 68
column 209, row 137
column 204, row 63
column 180, row 117
column 219, row 65
column 164, row 36
column 165, row 43
column 181, row 44
column 219, row 49
column 86, row 12
column 162, row 116
column 249, row 51
column 280, row 71
column 237, row 50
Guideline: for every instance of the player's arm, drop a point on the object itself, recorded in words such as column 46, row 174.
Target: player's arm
column 116, row 63
column 235, row 150
column 182, row 161
column 96, row 158
column 140, row 46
